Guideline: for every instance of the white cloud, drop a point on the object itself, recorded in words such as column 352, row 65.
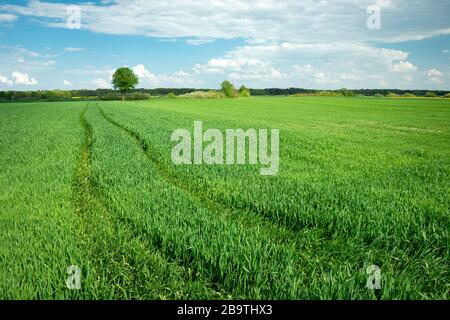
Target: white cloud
column 322, row 78
column 197, row 42
column 67, row 83
column 315, row 65
column 435, row 75
column 304, row 43
column 145, row 74
column 99, row 83
column 73, row 49
column 176, row 79
column 31, row 54
column 403, row 66
column 349, row 76
column 305, row 69
column 7, row 17
column 92, row 71
column 239, row 68
column 23, row 78
column 261, row 20
column 31, row 62
column 5, row 81
column 417, row 36
column 49, row 63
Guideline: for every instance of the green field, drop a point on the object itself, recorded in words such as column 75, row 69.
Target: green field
column 361, row 182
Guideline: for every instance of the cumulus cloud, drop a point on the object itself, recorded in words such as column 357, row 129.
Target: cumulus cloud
column 304, row 69
column 176, row 79
column 145, row 74
column 322, row 78
column 67, row 83
column 329, row 65
column 288, row 42
column 239, row 68
column 403, row 66
column 5, row 81
column 281, row 20
column 22, row 78
column 16, row 58
column 7, row 17
column 435, row 75
column 349, row 76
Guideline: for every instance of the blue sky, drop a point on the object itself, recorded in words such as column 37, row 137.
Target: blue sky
column 199, row 43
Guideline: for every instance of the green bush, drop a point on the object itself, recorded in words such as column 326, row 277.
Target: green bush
column 138, row 96
column 345, row 92
column 392, row 95
column 229, row 90
column 111, row 96
column 130, row 96
column 326, row 93
column 57, row 95
column 430, row 94
column 244, row 92
column 211, row 94
column 171, row 95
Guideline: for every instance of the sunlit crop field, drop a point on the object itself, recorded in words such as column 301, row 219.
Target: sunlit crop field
column 361, row 182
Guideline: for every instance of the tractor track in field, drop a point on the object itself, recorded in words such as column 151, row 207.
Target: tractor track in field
column 121, row 259
column 265, row 218
column 279, row 231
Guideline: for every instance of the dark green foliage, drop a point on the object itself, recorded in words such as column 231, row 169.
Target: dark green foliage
column 244, row 91
column 124, row 79
column 111, row 96
column 430, row 94
column 345, row 92
column 129, row 96
column 138, row 96
column 228, row 89
column 7, row 96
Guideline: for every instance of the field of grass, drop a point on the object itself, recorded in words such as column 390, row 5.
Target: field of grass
column 361, row 182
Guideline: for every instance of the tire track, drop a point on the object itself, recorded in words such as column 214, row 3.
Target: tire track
column 307, row 245
column 278, row 242
column 279, row 232
column 123, row 263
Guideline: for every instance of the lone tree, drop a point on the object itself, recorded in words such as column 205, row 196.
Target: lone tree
column 124, row 79
column 228, row 89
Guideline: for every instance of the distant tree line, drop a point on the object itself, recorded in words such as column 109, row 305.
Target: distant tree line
column 87, row 94
column 344, row 92
column 109, row 94
column 124, row 82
